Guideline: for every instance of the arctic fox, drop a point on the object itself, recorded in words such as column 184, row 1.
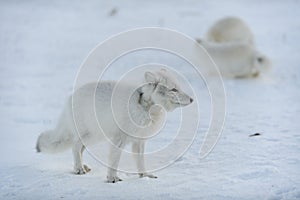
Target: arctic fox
column 78, row 125
column 230, row 29
column 237, row 59
column 230, row 42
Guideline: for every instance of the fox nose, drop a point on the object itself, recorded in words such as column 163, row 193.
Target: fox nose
column 191, row 100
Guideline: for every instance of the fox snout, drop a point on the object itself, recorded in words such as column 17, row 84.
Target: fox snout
column 185, row 100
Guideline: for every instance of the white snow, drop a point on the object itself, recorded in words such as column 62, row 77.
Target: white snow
column 43, row 43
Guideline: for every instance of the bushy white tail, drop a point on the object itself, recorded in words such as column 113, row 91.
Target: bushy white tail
column 53, row 141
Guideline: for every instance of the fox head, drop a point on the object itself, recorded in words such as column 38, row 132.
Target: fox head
column 162, row 89
column 261, row 64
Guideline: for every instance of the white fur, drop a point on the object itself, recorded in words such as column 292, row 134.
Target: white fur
column 146, row 107
column 237, row 59
column 230, row 29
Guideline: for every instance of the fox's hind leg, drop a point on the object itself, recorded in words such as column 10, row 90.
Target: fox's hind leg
column 78, row 149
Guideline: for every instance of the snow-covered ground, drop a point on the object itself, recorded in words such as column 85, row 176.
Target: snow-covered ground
column 42, row 44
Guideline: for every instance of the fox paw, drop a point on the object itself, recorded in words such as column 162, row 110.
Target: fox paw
column 82, row 170
column 113, row 179
column 147, row 175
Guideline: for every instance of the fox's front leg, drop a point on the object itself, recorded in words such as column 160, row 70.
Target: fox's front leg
column 138, row 149
column 114, row 159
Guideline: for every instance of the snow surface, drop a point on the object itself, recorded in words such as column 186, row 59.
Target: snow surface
column 42, row 44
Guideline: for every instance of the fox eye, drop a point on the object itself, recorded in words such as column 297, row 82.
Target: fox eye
column 174, row 90
column 260, row 59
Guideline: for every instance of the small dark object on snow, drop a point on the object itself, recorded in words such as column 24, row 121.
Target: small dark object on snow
column 255, row 134
column 113, row 12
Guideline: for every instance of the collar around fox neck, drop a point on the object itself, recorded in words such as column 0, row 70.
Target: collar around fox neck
column 145, row 100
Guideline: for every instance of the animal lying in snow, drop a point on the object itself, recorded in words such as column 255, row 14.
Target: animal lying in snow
column 230, row 42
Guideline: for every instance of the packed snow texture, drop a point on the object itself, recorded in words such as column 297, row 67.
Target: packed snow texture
column 43, row 43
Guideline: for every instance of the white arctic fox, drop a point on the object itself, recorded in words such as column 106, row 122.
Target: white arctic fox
column 230, row 42
column 237, row 59
column 91, row 103
column 230, row 29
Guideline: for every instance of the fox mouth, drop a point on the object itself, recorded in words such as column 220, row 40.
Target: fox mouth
column 184, row 103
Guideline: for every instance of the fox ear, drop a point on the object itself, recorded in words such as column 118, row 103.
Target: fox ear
column 150, row 77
